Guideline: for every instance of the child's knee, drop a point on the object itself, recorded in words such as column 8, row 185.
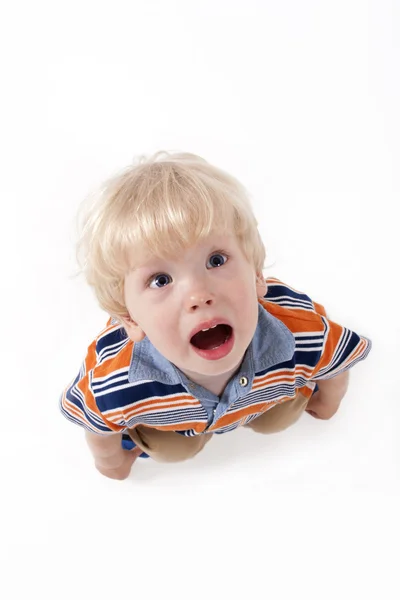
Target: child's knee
column 168, row 446
column 172, row 455
column 280, row 417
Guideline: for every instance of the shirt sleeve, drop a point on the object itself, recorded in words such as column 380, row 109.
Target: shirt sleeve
column 289, row 297
column 78, row 404
column 341, row 349
column 331, row 347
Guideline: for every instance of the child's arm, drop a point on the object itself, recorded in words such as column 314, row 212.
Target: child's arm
column 110, row 458
column 326, row 401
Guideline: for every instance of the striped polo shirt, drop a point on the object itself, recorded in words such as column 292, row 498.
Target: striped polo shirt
column 122, row 384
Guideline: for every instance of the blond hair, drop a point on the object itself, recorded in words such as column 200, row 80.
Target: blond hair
column 160, row 205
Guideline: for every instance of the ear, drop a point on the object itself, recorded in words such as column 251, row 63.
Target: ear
column 134, row 331
column 261, row 285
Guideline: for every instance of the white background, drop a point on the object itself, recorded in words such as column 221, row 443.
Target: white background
column 299, row 100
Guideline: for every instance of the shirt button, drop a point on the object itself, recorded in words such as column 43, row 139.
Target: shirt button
column 243, row 381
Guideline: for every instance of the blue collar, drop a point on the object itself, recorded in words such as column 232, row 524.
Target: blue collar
column 272, row 343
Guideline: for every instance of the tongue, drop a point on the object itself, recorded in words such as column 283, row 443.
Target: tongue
column 207, row 340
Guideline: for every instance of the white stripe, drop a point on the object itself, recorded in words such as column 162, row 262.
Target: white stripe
column 161, row 402
column 112, row 347
column 313, row 349
column 299, row 343
column 110, row 375
column 300, row 334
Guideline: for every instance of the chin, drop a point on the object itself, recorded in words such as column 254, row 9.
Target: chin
column 222, row 367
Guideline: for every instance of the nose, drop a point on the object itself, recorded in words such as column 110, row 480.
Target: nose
column 199, row 298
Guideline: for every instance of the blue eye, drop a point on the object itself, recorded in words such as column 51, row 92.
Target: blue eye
column 160, row 280
column 216, row 260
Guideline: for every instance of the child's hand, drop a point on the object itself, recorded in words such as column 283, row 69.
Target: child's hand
column 123, row 470
column 323, row 407
column 325, row 403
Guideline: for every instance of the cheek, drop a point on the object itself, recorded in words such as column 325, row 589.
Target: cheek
column 159, row 321
column 247, row 304
column 163, row 334
column 245, row 296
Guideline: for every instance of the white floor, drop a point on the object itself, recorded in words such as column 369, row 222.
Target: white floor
column 300, row 101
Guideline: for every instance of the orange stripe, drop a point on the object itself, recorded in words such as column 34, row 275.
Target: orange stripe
column 332, row 339
column 356, row 353
column 73, row 410
column 120, row 361
column 232, row 418
column 310, row 321
column 359, row 349
column 164, row 402
column 286, row 377
column 83, row 386
column 197, row 427
column 305, row 391
column 267, row 381
column 320, row 309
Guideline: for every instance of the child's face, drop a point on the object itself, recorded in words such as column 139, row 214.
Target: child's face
column 170, row 300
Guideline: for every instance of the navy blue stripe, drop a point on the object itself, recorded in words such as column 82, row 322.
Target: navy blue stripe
column 341, row 357
column 167, row 418
column 275, row 290
column 114, row 337
column 136, row 393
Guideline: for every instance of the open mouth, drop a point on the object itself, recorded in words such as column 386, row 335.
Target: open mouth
column 212, row 338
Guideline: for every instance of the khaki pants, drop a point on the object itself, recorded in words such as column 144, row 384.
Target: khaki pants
column 168, row 446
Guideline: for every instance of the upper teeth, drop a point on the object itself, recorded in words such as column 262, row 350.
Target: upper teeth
column 209, row 328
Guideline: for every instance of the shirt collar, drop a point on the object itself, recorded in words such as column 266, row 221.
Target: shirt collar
column 272, row 343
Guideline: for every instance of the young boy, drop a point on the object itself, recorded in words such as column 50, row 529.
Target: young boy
column 198, row 341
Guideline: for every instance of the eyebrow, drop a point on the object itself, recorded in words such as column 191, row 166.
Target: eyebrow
column 150, row 266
